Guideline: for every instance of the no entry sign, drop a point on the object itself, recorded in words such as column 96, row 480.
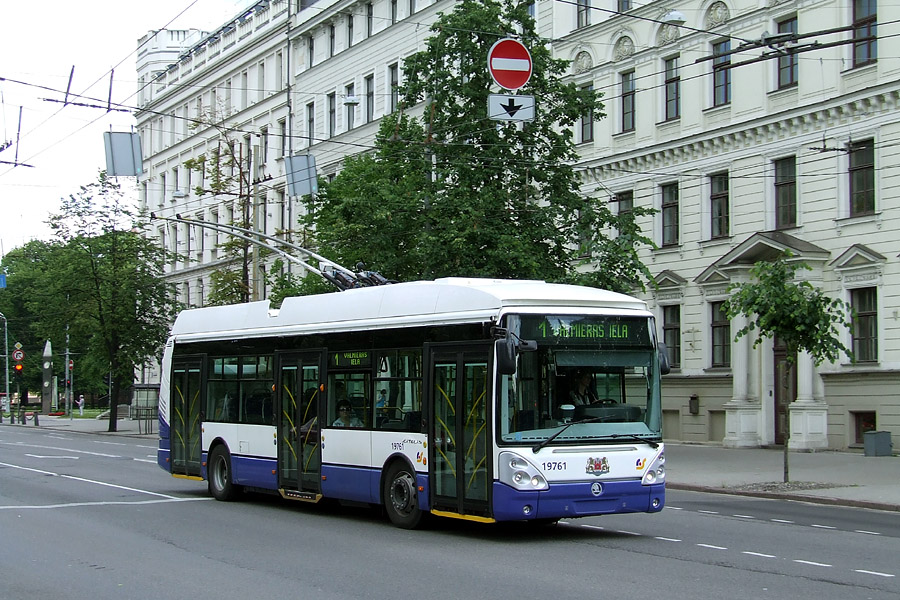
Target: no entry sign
column 509, row 63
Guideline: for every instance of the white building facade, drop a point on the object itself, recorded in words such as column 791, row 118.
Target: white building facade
column 794, row 152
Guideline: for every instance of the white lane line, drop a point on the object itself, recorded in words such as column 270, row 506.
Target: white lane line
column 864, row 572
column 866, row 532
column 72, row 450
column 822, row 526
column 144, row 460
column 627, row 532
column 593, row 527
column 82, row 479
column 811, row 563
column 708, row 512
column 51, row 456
column 665, row 539
column 711, row 547
column 744, row 516
column 759, row 554
column 674, row 508
column 782, row 521
column 111, row 503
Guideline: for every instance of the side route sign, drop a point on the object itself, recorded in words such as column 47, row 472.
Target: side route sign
column 509, row 63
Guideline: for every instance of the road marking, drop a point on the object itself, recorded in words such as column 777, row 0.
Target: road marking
column 665, row 539
column 111, row 443
column 814, row 564
column 822, row 526
column 56, row 456
column 144, row 460
column 94, row 481
column 782, row 521
column 711, row 547
column 863, row 571
column 110, row 503
column 674, row 508
column 627, row 532
column 21, row 445
column 708, row 512
column 759, row 554
column 744, row 516
column 867, row 532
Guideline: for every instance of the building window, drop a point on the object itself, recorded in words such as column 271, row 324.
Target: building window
column 412, row 7
column 311, row 122
column 350, row 92
column 865, row 324
column 628, row 101
column 670, row 214
column 349, row 30
column 393, row 11
column 583, row 14
column 623, row 5
column 282, row 137
column 862, row 177
column 673, row 89
column 332, row 111
column 331, row 40
column 672, row 334
column 721, row 73
column 787, row 65
column 864, row 26
column 587, row 121
column 718, row 205
column 721, row 336
column 394, row 78
column 786, row 192
column 370, row 19
column 310, row 51
column 370, row 98
column 532, row 9
column 625, row 202
column 863, row 422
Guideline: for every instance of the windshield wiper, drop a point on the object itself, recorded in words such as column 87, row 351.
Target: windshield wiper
column 555, row 435
column 631, row 436
column 628, row 436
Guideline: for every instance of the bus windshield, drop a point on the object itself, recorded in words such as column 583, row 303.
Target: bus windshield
column 602, row 370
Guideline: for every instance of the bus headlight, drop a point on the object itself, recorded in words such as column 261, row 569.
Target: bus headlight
column 656, row 473
column 520, row 474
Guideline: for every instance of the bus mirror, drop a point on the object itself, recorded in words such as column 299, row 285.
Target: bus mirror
column 506, row 355
column 664, row 367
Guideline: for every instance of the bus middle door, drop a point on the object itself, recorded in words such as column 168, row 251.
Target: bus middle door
column 298, row 392
column 459, row 400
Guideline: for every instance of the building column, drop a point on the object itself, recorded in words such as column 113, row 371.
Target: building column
column 808, row 415
column 743, row 414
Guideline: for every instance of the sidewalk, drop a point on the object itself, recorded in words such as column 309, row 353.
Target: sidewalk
column 826, row 477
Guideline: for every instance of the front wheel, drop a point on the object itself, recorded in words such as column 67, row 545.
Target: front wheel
column 401, row 500
column 218, row 472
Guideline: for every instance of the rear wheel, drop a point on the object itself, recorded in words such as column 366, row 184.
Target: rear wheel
column 401, row 500
column 218, row 472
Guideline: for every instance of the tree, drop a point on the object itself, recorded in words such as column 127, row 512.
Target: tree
column 453, row 192
column 799, row 314
column 108, row 290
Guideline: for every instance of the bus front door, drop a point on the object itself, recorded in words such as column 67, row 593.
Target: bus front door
column 299, row 388
column 460, row 432
column 185, row 417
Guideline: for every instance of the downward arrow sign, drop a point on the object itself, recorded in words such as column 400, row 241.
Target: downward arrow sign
column 511, row 107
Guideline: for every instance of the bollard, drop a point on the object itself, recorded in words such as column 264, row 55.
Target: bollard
column 22, row 415
column 12, row 416
column 36, row 413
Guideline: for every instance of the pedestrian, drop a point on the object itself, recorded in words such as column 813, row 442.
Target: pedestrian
column 80, row 403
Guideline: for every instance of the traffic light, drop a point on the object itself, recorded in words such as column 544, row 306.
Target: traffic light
column 17, row 369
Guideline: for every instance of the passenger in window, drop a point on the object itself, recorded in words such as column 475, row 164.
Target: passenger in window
column 346, row 418
column 581, row 393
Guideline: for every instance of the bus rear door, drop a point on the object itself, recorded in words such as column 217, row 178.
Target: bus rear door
column 185, row 415
column 298, row 392
column 459, row 430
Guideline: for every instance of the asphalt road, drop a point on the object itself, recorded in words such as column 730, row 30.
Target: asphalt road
column 86, row 517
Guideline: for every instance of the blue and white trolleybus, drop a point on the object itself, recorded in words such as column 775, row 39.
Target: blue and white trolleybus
column 488, row 400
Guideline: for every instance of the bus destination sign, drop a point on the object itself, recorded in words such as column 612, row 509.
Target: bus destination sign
column 355, row 358
column 586, row 330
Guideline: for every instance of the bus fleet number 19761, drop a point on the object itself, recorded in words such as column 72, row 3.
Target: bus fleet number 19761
column 554, row 465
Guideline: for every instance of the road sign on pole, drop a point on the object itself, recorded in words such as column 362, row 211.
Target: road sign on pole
column 509, row 63
column 18, row 355
column 510, row 107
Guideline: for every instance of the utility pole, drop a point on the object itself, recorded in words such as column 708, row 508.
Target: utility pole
column 5, row 404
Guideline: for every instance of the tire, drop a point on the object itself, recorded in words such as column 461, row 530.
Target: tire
column 218, row 474
column 401, row 500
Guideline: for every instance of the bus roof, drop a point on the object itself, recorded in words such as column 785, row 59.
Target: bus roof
column 443, row 301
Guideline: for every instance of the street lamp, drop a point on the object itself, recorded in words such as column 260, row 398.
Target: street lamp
column 674, row 17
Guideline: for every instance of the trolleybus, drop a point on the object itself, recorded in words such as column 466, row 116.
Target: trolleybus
column 455, row 397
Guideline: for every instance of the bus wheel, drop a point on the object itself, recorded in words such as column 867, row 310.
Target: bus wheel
column 219, row 475
column 400, row 498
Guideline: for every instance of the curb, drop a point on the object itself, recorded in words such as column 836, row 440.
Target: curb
column 687, row 487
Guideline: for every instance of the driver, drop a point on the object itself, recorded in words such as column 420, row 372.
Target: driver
column 582, row 392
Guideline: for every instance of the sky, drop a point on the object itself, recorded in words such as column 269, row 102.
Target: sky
column 63, row 144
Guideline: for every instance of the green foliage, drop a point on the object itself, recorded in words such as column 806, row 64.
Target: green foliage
column 455, row 193
column 798, row 313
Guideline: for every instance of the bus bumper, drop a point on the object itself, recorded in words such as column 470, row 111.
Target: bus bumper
column 577, row 499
